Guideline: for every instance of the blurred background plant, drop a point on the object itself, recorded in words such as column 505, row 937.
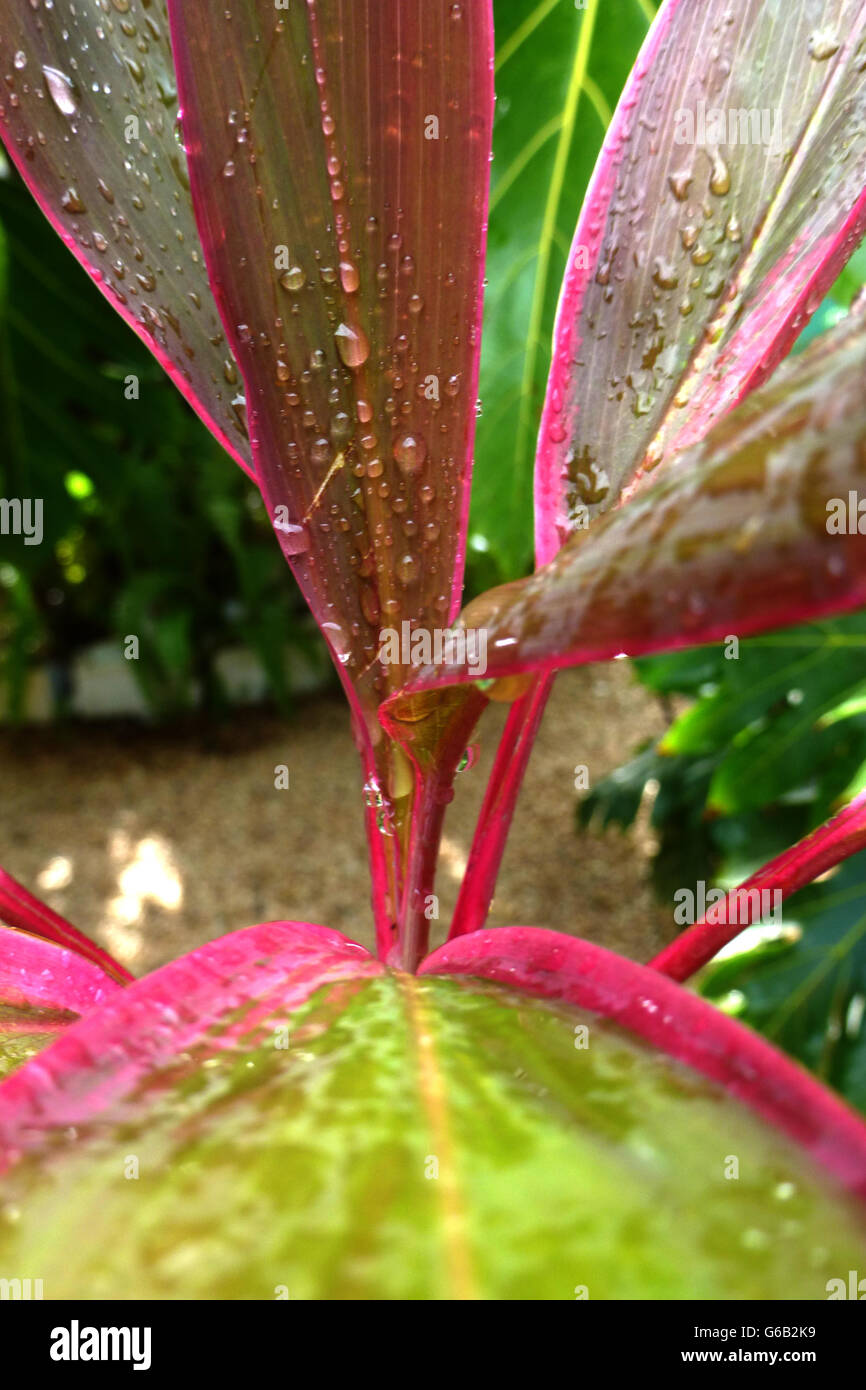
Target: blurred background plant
column 148, row 528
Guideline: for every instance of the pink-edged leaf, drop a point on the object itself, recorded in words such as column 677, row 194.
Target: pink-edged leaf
column 553, row 966
column 43, row 989
column 88, row 114
column 758, row 526
column 219, row 993
column 41, row 974
column 276, row 1114
column 798, row 866
column 19, row 908
column 339, row 164
column 702, row 249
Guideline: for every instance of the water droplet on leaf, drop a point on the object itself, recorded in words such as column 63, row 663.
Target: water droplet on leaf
column 352, row 345
column 61, row 91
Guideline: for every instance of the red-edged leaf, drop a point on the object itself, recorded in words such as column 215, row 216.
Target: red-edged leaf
column 43, row 989
column 44, row 975
column 695, row 264
column 229, row 1129
column 756, row 527
column 339, row 164
column 553, row 966
column 826, row 847
column 221, row 992
column 89, row 116
column 19, row 908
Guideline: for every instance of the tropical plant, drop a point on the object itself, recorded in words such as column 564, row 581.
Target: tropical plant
column 302, row 247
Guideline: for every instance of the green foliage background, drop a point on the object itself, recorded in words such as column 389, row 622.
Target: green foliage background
column 149, row 527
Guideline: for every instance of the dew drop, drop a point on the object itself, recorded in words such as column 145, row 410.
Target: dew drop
column 407, row 569
column 239, row 406
column 370, row 605
column 679, row 185
column 720, row 178
column 822, row 45
column 733, row 231
column 61, row 91
column 410, row 451
column 70, row 202
column 352, row 345
column 293, row 279
column 664, row 275
column 349, row 278
column 341, row 427
column 293, row 538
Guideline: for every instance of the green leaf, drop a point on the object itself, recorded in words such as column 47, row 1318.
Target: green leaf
column 559, row 72
column 419, row 1139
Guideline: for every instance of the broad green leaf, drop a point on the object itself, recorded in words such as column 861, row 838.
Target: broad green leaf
column 559, row 72
column 392, row 1137
column 89, row 115
column 730, row 191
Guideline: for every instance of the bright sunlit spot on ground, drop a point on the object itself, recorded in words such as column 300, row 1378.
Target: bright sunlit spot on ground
column 57, row 874
column 146, row 874
column 453, row 859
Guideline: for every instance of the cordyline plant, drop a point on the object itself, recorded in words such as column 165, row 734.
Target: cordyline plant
column 288, row 204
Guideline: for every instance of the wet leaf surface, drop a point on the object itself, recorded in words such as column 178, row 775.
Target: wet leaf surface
column 729, row 194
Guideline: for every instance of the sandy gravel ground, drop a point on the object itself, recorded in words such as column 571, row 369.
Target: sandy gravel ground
column 154, row 840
